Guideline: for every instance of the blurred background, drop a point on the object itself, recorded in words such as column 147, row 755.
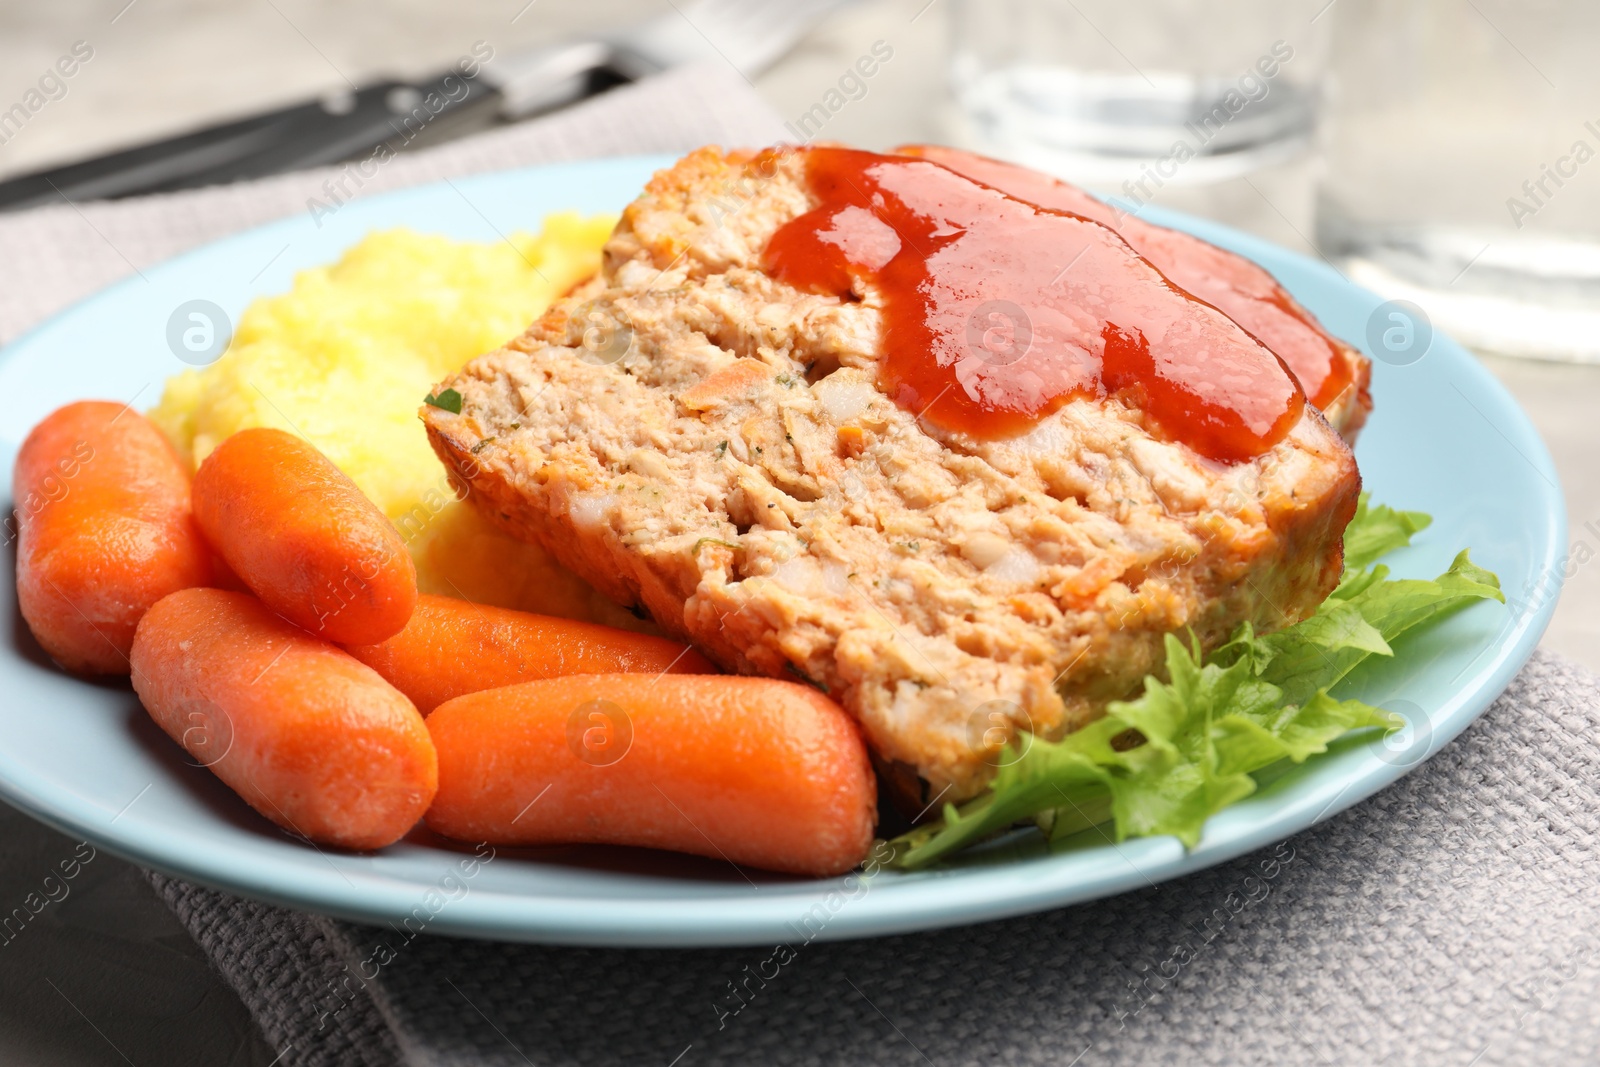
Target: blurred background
column 1415, row 140
column 1441, row 152
column 1438, row 151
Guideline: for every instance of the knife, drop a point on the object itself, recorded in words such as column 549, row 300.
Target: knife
column 481, row 90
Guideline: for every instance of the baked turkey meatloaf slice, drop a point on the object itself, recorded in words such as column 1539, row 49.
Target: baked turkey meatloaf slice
column 710, row 445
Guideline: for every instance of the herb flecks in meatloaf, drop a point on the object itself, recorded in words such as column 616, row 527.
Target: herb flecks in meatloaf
column 708, row 444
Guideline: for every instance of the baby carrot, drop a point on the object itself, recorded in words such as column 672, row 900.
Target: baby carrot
column 308, row 736
column 452, row 647
column 750, row 770
column 103, row 532
column 304, row 538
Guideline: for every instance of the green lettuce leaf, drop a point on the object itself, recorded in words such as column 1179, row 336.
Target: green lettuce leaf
column 1376, row 530
column 1188, row 747
column 1301, row 659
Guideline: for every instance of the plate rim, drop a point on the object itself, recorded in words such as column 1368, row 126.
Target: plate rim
column 917, row 902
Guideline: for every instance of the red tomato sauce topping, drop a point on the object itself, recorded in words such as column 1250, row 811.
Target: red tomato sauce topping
column 997, row 311
column 1242, row 290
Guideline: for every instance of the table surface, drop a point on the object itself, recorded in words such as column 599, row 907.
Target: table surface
column 105, row 975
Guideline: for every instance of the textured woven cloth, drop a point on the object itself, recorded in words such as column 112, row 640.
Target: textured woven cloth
column 1453, row 918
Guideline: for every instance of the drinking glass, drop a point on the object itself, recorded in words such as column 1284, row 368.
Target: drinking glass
column 1461, row 170
column 1138, row 97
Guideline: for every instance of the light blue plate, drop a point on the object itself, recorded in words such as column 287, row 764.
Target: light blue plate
column 1445, row 438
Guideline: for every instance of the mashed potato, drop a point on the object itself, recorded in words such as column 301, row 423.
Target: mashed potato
column 346, row 356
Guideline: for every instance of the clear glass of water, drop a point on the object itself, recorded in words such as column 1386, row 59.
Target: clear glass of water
column 1462, row 166
column 1139, row 98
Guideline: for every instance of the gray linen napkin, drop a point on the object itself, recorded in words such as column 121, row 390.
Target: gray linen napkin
column 1454, row 918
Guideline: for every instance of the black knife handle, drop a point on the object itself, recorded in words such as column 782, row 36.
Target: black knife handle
column 306, row 135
